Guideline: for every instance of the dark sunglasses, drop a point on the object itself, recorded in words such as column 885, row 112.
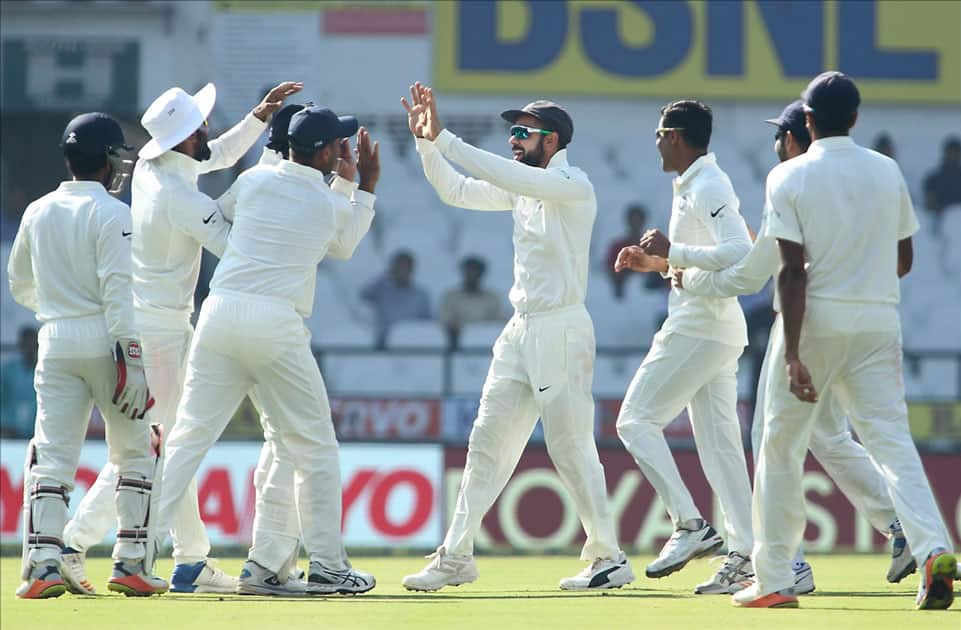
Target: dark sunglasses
column 523, row 133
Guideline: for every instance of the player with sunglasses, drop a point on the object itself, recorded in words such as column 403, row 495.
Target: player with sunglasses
column 544, row 359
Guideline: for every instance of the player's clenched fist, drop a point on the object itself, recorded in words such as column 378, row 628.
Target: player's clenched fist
column 635, row 259
column 131, row 396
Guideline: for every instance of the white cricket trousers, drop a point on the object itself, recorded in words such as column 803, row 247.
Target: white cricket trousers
column 863, row 371
column 543, row 366
column 243, row 342
column 845, row 460
column 678, row 372
column 165, row 362
column 67, row 389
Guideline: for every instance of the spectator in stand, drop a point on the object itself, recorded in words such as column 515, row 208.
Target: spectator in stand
column 394, row 296
column 942, row 186
column 18, row 404
column 471, row 302
column 636, row 218
column 884, row 145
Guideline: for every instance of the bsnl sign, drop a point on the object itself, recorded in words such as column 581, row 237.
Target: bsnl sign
column 907, row 51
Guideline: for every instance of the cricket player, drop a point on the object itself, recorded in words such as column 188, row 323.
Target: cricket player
column 251, row 333
column 544, row 358
column 832, row 444
column 843, row 221
column 172, row 221
column 693, row 359
column 70, row 263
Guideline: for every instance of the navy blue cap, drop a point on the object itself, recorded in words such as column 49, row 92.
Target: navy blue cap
column 93, row 134
column 832, row 95
column 552, row 116
column 313, row 127
column 792, row 119
column 279, row 123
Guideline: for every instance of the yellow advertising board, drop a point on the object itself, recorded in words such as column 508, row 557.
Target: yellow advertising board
column 897, row 50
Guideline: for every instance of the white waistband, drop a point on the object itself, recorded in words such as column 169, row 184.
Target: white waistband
column 556, row 311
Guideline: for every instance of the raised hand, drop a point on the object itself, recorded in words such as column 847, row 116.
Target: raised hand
column 432, row 126
column 275, row 98
column 346, row 165
column 368, row 160
column 635, row 259
column 416, row 110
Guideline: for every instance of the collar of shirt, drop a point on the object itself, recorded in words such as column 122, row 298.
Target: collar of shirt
column 685, row 178
column 831, row 144
column 178, row 164
column 304, row 172
column 558, row 160
column 84, row 186
column 270, row 157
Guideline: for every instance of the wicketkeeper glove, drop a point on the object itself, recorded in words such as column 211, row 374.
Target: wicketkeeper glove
column 132, row 396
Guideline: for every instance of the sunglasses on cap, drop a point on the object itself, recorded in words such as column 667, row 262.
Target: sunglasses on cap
column 523, row 133
column 660, row 132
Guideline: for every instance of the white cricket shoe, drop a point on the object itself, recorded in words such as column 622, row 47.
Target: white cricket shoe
column 326, row 581
column 73, row 569
column 201, row 577
column 443, row 570
column 902, row 561
column 600, row 574
column 734, row 574
column 803, row 579
column 692, row 539
column 258, row 580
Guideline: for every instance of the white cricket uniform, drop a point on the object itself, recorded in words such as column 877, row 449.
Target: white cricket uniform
column 848, row 206
column 844, row 459
column 544, row 359
column 70, row 263
column 693, row 360
column 172, row 221
column 251, row 332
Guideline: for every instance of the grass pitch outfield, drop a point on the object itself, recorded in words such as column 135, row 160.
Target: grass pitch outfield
column 512, row 592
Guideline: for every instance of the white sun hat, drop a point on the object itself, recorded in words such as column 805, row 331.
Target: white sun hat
column 173, row 116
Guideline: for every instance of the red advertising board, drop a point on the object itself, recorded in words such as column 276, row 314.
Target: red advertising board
column 535, row 512
column 380, row 419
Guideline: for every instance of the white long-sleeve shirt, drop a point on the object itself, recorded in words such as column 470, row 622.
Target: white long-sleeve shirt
column 554, row 210
column 173, row 221
column 747, row 276
column 286, row 219
column 70, row 263
column 706, row 231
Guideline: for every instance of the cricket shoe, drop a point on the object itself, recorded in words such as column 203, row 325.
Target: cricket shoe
column 750, row 598
column 902, row 562
column 803, row 579
column 443, row 570
column 130, row 578
column 258, row 580
column 74, row 568
column 600, row 574
column 734, row 575
column 44, row 582
column 693, row 539
column 936, row 591
column 201, row 577
column 326, row 581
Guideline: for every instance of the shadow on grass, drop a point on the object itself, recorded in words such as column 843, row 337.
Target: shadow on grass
column 426, row 597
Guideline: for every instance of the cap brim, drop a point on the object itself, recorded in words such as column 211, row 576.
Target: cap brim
column 151, row 150
column 348, row 126
column 205, row 99
column 511, row 115
column 774, row 121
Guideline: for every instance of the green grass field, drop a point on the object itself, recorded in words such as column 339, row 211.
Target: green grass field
column 512, row 592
